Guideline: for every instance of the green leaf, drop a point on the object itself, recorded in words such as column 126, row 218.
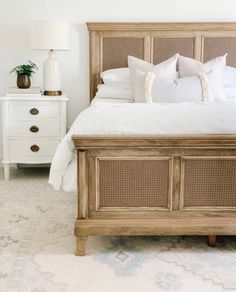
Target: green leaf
column 25, row 69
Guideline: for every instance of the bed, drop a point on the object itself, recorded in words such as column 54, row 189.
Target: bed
column 132, row 184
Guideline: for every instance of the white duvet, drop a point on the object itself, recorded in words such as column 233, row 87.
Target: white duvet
column 106, row 118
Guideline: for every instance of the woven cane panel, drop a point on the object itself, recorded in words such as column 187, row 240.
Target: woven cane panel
column 214, row 47
column 210, row 183
column 134, row 183
column 116, row 51
column 164, row 48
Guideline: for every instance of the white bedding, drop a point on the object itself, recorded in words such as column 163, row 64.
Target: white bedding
column 109, row 100
column 115, row 118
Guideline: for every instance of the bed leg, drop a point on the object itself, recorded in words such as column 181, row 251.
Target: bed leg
column 80, row 245
column 212, row 240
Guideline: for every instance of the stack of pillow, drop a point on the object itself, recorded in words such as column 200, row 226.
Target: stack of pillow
column 144, row 82
column 116, row 84
column 230, row 82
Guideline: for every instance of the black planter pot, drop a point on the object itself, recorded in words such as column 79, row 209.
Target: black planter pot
column 23, row 81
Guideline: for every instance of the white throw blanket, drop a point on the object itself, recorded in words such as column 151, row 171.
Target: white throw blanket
column 105, row 118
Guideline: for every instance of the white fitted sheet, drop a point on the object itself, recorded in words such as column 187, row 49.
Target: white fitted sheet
column 115, row 118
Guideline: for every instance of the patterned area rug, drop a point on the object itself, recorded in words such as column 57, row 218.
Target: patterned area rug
column 37, row 246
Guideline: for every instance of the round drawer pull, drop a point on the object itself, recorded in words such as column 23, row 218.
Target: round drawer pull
column 34, row 129
column 34, row 111
column 34, row 148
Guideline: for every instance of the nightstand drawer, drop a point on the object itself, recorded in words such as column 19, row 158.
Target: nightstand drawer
column 31, row 110
column 32, row 148
column 33, row 126
column 37, row 128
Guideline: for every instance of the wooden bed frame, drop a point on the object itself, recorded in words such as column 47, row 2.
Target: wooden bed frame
column 156, row 185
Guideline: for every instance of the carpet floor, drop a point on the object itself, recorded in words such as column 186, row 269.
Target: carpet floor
column 37, row 246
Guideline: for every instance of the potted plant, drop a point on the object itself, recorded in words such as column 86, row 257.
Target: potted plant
column 24, row 72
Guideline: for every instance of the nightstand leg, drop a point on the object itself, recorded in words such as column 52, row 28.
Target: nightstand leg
column 16, row 166
column 6, row 171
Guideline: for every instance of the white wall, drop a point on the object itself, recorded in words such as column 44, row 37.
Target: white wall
column 15, row 17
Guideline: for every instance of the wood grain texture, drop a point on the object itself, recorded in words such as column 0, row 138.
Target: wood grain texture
column 111, row 43
column 202, row 141
column 81, row 245
column 161, row 26
column 82, row 185
column 135, row 227
column 197, row 220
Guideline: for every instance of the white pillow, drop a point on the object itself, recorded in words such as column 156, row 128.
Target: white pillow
column 229, row 76
column 117, row 92
column 230, row 92
column 117, row 77
column 164, row 70
column 190, row 67
column 139, row 86
column 187, row 89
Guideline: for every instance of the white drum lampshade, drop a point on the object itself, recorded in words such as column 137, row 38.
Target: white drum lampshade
column 51, row 36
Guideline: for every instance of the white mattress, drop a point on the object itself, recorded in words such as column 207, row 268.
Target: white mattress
column 110, row 117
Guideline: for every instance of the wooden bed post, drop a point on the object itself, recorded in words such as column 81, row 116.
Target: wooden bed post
column 212, row 240
column 81, row 245
column 82, row 199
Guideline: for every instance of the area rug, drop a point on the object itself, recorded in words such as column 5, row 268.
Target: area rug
column 37, row 249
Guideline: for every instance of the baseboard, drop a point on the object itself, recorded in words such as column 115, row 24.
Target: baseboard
column 22, row 165
column 41, row 165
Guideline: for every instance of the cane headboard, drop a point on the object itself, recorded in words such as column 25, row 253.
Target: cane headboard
column 111, row 43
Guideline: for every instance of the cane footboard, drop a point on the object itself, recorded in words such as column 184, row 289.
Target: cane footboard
column 153, row 186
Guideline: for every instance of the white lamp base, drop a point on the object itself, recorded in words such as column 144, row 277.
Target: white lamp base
column 52, row 75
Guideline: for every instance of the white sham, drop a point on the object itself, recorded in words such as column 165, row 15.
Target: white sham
column 149, row 88
column 164, row 70
column 191, row 67
column 117, row 77
column 111, row 91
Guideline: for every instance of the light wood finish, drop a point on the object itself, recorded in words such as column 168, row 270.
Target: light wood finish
column 82, row 185
column 149, row 141
column 111, row 43
column 166, row 226
column 154, row 41
column 161, row 26
column 176, row 219
column 80, row 245
column 212, row 240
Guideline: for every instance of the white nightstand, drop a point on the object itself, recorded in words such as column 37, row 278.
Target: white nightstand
column 32, row 128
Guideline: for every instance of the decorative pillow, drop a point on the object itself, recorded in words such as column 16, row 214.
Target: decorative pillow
column 229, row 76
column 143, row 83
column 230, row 92
column 190, row 67
column 149, row 88
column 117, row 77
column 164, row 70
column 109, row 91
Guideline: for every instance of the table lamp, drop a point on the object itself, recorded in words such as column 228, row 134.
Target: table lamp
column 51, row 36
